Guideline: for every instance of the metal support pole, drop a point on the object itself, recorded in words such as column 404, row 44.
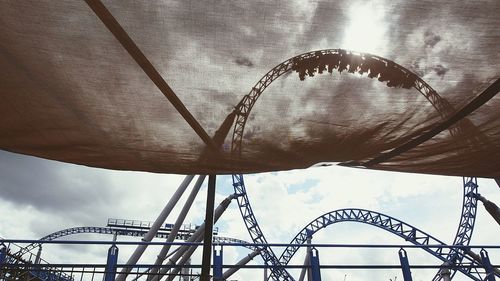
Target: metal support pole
column 3, row 254
column 218, row 263
column 314, row 261
column 405, row 265
column 110, row 272
column 185, row 258
column 3, row 260
column 38, row 255
column 487, row 266
column 445, row 271
column 306, row 270
column 186, row 251
column 209, row 225
column 122, row 36
column 177, row 225
column 155, row 227
column 185, row 272
column 240, row 264
column 491, row 207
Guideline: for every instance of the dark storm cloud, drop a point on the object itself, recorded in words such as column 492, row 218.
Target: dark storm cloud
column 440, row 70
column 436, row 20
column 49, row 185
column 243, row 61
column 431, row 39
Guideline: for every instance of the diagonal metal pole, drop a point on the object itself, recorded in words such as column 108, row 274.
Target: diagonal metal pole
column 178, row 223
column 209, row 225
column 121, row 35
column 476, row 103
column 136, row 255
column 240, row 264
column 186, row 251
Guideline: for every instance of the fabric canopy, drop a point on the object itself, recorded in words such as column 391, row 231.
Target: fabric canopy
column 71, row 92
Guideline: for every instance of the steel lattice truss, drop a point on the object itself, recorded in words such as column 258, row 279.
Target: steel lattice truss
column 122, row 232
column 254, row 229
column 23, row 271
column 245, row 106
column 466, row 225
column 392, row 225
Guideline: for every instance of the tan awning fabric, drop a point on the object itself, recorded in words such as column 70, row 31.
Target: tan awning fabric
column 71, row 92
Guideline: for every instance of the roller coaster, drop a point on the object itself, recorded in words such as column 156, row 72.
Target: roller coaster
column 313, row 64
column 458, row 259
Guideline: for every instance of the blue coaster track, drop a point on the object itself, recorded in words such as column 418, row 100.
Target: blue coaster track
column 118, row 231
column 313, row 64
column 387, row 223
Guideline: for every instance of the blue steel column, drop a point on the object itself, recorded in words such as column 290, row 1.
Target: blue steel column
column 218, row 263
column 314, row 261
column 487, row 266
column 110, row 272
column 405, row 265
column 3, row 260
column 3, row 253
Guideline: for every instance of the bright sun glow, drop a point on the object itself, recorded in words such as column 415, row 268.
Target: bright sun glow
column 367, row 28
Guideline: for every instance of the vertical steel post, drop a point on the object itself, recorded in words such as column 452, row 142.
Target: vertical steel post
column 218, row 263
column 38, row 255
column 306, row 269
column 209, row 225
column 3, row 260
column 110, row 272
column 405, row 265
column 490, row 275
column 3, row 254
column 314, row 261
column 184, row 252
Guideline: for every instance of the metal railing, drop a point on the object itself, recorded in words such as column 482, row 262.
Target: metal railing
column 106, row 271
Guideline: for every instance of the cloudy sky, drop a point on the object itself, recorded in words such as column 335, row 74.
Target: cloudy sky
column 211, row 53
column 38, row 197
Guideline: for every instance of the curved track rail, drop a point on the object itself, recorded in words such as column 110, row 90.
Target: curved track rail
column 123, row 232
column 466, row 225
column 312, row 60
column 387, row 223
